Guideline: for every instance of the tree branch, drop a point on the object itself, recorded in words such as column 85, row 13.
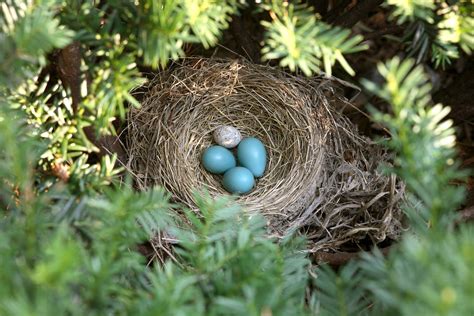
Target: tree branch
column 69, row 71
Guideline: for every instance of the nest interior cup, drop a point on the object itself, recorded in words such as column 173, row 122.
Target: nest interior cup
column 321, row 176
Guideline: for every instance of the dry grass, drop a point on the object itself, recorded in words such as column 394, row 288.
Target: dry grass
column 322, row 177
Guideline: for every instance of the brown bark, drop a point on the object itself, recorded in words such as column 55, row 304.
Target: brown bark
column 69, row 71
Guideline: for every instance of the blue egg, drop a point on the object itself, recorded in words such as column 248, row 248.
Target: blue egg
column 217, row 159
column 252, row 155
column 238, row 180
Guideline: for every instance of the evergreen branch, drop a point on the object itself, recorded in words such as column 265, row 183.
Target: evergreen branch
column 413, row 281
column 169, row 24
column 412, row 10
column 164, row 32
column 422, row 138
column 207, row 18
column 237, row 269
column 301, row 41
column 111, row 89
column 341, row 293
column 29, row 32
column 436, row 27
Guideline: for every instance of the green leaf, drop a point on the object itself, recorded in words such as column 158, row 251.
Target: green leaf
column 301, row 41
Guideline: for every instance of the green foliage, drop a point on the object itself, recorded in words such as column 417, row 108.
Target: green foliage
column 69, row 247
column 208, row 18
column 415, row 272
column 340, row 293
column 112, row 39
column 436, row 26
column 169, row 24
column 72, row 255
column 51, row 115
column 425, row 276
column 427, row 273
column 86, row 267
column 63, row 254
column 300, row 40
column 423, row 139
column 115, row 77
column 229, row 267
column 465, row 26
column 28, row 32
column 67, row 148
column 411, row 10
column 164, row 38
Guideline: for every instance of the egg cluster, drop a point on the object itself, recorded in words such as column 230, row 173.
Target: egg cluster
column 239, row 174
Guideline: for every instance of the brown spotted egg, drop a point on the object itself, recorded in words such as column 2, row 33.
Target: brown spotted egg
column 227, row 136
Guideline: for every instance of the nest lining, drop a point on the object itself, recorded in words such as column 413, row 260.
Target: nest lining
column 321, row 177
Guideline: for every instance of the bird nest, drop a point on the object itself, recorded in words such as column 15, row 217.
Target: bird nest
column 322, row 177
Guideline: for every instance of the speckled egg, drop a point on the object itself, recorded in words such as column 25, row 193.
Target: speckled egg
column 227, row 136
